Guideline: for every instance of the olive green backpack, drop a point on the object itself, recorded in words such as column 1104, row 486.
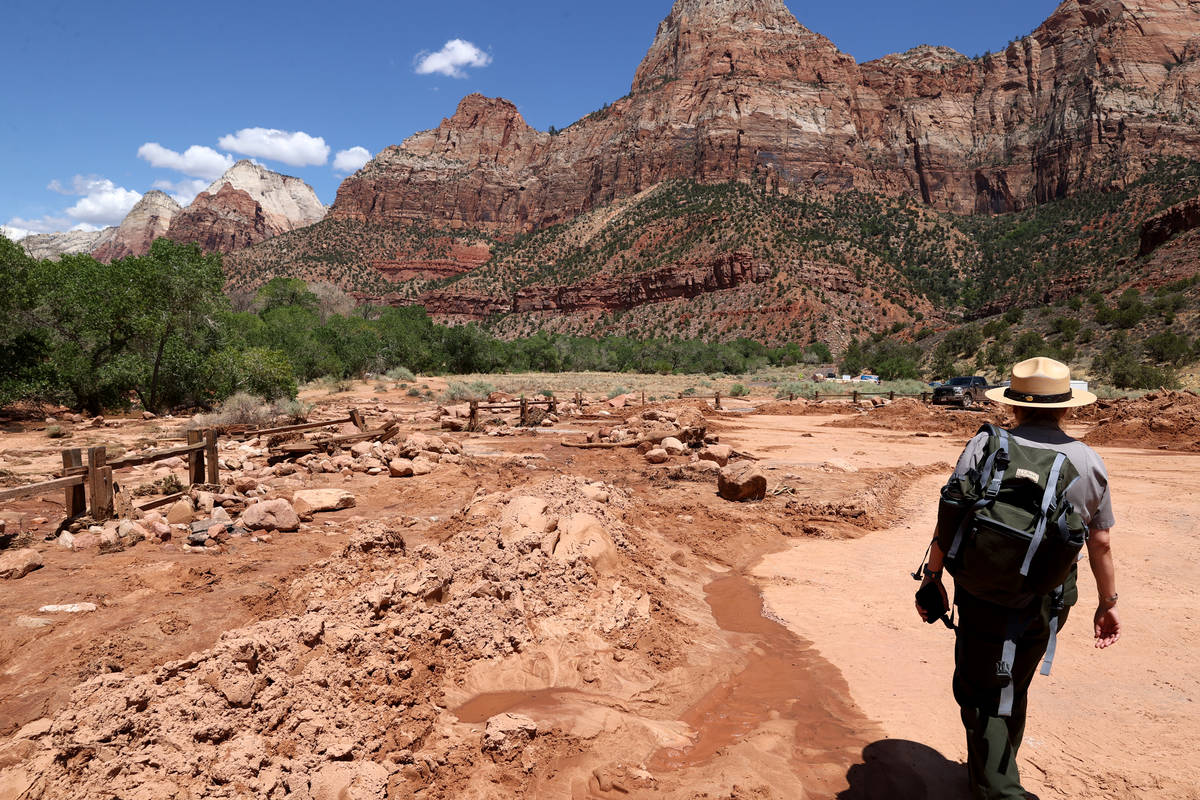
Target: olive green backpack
column 1009, row 534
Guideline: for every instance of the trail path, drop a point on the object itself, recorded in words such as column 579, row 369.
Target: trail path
column 1119, row 723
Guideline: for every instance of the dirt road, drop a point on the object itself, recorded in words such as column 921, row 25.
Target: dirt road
column 1119, row 723
column 535, row 621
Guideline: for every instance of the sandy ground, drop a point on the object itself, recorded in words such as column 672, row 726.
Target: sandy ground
column 1119, row 723
column 647, row 668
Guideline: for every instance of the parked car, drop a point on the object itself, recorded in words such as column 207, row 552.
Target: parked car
column 964, row 391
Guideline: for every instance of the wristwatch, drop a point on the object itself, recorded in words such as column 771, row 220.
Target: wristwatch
column 1110, row 602
column 930, row 573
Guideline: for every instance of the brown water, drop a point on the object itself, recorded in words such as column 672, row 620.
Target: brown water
column 483, row 707
column 784, row 678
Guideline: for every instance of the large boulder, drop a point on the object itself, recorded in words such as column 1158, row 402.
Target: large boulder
column 740, row 482
column 658, row 456
column 400, row 468
column 271, row 515
column 312, row 501
column 19, row 563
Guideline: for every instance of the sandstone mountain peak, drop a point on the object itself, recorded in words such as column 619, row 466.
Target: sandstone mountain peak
column 145, row 222
column 288, row 203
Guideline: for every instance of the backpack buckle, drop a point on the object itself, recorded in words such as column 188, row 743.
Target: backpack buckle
column 1003, row 673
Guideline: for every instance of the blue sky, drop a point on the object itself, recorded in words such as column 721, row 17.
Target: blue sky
column 89, row 88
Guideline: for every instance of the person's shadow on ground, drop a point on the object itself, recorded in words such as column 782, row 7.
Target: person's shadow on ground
column 895, row 769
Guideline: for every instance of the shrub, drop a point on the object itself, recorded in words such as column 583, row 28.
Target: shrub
column 401, row 374
column 738, row 390
column 56, row 432
column 804, row 389
column 236, row 410
column 1168, row 347
column 459, row 392
column 292, row 410
column 617, row 392
column 413, row 392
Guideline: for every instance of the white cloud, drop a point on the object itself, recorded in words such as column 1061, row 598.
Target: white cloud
column 296, row 148
column 184, row 191
column 46, row 224
column 80, row 185
column 103, row 203
column 451, row 59
column 13, row 233
column 351, row 160
column 197, row 161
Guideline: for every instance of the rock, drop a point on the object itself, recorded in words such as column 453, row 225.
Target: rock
column 16, row 564
column 584, row 535
column 506, row 735
column 270, row 515
column 360, row 449
column 132, row 531
column 740, row 482
column 147, row 415
column 597, row 494
column 66, row 539
column 146, row 221
column 704, row 467
column 673, row 446
column 717, row 453
column 220, row 515
column 423, row 465
column 69, row 608
column 312, row 501
column 400, row 468
column 85, row 541
column 181, row 512
column 356, row 780
column 110, row 541
column 246, row 205
column 658, row 456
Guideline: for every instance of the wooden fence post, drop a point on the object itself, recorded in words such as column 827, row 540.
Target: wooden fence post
column 100, row 483
column 76, row 500
column 553, row 404
column 213, row 476
column 892, row 395
column 923, row 400
column 856, row 397
column 816, row 397
column 357, row 418
column 717, row 401
column 524, row 410
column 791, row 397
column 643, row 397
column 195, row 459
column 473, row 420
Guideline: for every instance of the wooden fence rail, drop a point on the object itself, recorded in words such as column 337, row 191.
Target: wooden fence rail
column 89, row 488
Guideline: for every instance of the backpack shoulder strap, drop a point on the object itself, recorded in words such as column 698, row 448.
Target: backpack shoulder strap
column 991, row 476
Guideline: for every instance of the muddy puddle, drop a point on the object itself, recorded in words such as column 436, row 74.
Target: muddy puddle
column 483, row 707
column 784, row 679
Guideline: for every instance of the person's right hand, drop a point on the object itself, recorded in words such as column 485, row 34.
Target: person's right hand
column 945, row 597
column 1108, row 627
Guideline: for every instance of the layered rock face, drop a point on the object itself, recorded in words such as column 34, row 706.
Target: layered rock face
column 222, row 222
column 246, row 205
column 740, row 90
column 56, row 245
column 460, row 258
column 150, row 219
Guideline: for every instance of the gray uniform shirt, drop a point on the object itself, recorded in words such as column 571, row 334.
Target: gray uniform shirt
column 1089, row 494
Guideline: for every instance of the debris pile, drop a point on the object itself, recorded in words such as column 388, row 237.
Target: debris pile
column 345, row 699
column 907, row 414
column 1167, row 420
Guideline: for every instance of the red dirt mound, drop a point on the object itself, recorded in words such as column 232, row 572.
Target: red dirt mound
column 1166, row 420
column 907, row 414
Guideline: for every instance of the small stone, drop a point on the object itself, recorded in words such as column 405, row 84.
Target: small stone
column 361, row 449
column 70, row 608
column 85, row 541
column 717, row 453
column 149, row 415
column 400, row 468
column 19, row 563
column 180, row 513
column 423, row 466
column 740, row 482
column 271, row 515
column 673, row 446
column 507, row 734
column 310, row 501
column 658, row 456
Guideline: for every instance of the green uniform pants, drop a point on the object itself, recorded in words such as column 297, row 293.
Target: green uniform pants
column 993, row 741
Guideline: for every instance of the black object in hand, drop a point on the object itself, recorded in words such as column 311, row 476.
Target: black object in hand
column 929, row 598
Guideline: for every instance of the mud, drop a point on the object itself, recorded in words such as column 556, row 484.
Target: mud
column 1166, row 420
column 535, row 621
column 912, row 415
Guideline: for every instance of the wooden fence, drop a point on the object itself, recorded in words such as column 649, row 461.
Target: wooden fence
column 89, row 488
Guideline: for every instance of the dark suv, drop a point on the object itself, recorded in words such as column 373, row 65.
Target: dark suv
column 964, row 391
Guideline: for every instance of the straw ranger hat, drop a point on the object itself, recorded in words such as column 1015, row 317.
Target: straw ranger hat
column 1041, row 383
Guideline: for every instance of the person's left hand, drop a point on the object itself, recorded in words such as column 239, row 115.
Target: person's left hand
column 1108, row 627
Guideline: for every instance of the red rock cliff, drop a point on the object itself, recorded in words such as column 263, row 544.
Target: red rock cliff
column 740, row 90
